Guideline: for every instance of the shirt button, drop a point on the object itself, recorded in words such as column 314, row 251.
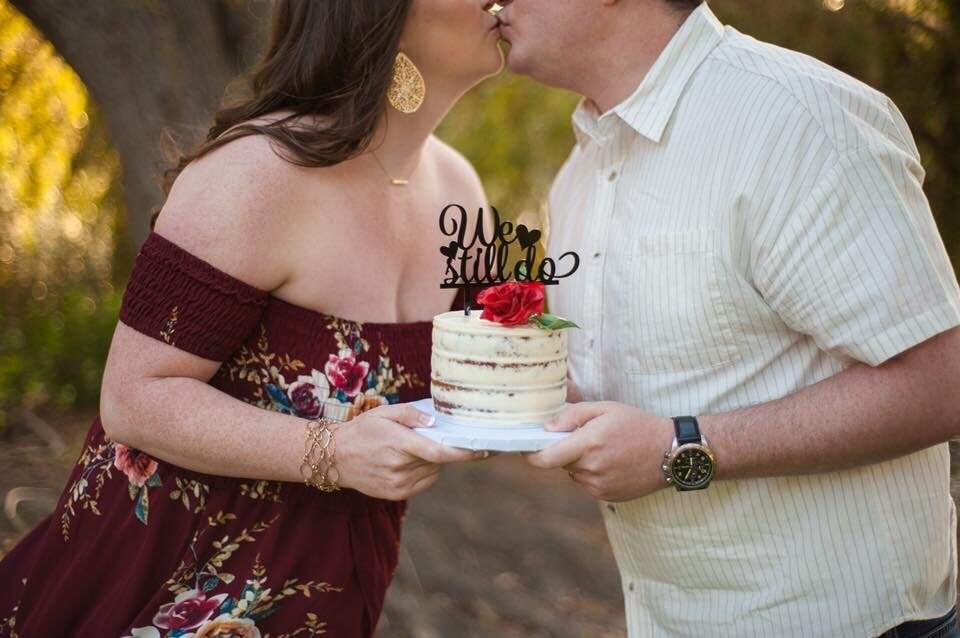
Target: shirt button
column 591, row 343
column 612, row 176
column 631, row 585
column 611, row 507
column 596, row 254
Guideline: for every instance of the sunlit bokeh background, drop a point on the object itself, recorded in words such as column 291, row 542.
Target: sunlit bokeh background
column 62, row 212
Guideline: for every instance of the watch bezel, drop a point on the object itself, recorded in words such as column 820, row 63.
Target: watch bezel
column 671, row 455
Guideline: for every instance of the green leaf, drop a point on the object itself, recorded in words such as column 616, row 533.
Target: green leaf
column 552, row 322
column 522, row 270
column 142, row 508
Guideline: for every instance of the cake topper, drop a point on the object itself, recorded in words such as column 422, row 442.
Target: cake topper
column 481, row 258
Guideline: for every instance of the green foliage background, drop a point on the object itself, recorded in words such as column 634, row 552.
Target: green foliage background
column 60, row 209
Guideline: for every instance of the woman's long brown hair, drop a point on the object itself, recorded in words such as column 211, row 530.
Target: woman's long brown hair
column 331, row 59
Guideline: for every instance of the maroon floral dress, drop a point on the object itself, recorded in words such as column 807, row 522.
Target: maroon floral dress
column 139, row 547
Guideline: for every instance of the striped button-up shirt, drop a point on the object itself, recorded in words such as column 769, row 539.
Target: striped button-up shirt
column 752, row 221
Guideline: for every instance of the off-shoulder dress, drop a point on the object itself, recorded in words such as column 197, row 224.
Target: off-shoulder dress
column 140, row 547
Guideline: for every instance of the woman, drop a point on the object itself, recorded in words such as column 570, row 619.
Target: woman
column 292, row 273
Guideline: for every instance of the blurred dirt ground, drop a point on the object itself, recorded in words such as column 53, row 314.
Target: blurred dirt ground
column 494, row 549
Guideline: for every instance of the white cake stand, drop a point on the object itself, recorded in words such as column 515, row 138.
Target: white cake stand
column 477, row 435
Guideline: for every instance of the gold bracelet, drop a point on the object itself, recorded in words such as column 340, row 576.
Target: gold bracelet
column 322, row 466
column 320, row 461
column 317, row 467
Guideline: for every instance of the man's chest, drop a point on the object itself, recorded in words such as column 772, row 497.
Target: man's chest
column 664, row 285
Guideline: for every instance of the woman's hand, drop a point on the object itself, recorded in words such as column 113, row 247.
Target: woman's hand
column 377, row 454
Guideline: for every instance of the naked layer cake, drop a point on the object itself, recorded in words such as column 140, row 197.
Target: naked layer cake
column 500, row 375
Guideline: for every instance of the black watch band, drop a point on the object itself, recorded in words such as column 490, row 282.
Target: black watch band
column 687, row 429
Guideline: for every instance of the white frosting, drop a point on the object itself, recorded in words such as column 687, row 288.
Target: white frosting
column 502, row 375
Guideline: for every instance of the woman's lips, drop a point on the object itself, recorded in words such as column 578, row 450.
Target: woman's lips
column 494, row 9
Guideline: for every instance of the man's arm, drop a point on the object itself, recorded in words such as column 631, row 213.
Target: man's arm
column 860, row 416
column 856, row 263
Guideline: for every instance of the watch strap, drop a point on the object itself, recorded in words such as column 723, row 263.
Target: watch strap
column 687, row 429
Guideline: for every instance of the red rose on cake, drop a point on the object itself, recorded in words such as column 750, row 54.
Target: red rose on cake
column 516, row 303
column 512, row 303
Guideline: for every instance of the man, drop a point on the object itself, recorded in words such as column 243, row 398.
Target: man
column 759, row 254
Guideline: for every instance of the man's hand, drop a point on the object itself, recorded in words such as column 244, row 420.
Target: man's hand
column 573, row 392
column 615, row 450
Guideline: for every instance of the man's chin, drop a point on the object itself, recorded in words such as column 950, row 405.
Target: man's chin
column 514, row 59
column 520, row 65
column 517, row 59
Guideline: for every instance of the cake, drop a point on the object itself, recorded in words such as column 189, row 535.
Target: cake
column 499, row 375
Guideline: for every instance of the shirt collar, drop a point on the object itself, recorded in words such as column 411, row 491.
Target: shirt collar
column 649, row 109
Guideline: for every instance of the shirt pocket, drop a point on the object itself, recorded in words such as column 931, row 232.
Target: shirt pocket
column 676, row 314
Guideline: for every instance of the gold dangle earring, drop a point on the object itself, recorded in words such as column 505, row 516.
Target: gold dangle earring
column 407, row 91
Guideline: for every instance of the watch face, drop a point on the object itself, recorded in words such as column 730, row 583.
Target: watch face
column 692, row 467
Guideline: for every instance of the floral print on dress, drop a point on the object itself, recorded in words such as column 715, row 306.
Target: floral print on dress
column 141, row 471
column 98, row 463
column 345, row 388
column 169, row 326
column 245, row 585
column 263, row 490
column 196, row 612
column 9, row 624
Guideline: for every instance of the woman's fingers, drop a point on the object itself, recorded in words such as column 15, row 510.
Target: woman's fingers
column 405, row 414
column 433, row 452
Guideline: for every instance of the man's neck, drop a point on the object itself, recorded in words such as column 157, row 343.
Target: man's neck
column 619, row 64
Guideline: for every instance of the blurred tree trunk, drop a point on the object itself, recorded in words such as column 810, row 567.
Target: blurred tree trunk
column 151, row 66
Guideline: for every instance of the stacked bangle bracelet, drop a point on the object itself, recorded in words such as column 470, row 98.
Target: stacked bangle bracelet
column 317, row 467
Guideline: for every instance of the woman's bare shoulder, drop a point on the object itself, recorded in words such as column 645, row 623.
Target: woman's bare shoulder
column 227, row 208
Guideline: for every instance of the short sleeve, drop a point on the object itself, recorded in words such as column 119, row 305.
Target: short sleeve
column 180, row 299
column 860, row 265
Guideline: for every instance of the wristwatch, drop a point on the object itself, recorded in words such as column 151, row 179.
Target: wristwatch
column 689, row 464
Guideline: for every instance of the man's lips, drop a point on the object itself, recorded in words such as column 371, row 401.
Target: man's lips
column 494, row 8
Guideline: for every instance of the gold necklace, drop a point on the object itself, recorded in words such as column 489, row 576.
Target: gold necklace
column 396, row 181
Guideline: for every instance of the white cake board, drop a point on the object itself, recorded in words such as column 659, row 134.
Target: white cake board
column 480, row 436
